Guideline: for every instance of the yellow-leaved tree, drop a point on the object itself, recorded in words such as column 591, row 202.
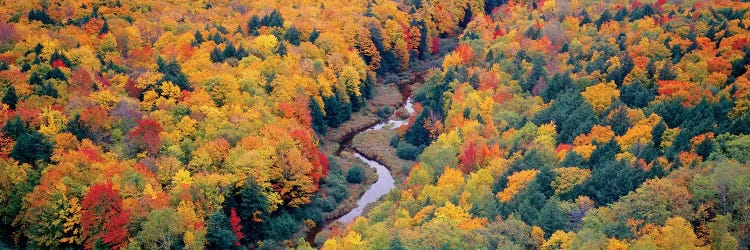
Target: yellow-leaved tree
column 601, row 95
column 516, row 182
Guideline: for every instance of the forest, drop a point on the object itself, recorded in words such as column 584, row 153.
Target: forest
column 217, row 124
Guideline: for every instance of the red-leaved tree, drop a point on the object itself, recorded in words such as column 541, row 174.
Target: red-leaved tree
column 468, row 158
column 236, row 226
column 146, row 134
column 103, row 218
column 435, row 45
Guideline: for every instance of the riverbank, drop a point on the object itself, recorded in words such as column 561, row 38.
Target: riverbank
column 393, row 91
column 337, row 144
column 375, row 145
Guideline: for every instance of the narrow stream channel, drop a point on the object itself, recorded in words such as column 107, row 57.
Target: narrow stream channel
column 385, row 182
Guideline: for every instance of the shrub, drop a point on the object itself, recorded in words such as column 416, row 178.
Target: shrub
column 355, row 174
column 384, row 112
column 407, row 151
column 395, row 140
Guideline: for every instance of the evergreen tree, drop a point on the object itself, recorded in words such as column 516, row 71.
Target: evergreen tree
column 676, row 53
column 31, row 147
column 621, row 14
column 618, row 119
column 666, row 72
column 528, row 203
column 468, row 15
column 78, row 128
column 490, row 5
column 551, row 217
column 105, row 28
column 217, row 38
column 610, row 180
column 292, row 35
column 366, row 87
column 219, row 233
column 216, row 55
column 15, row 127
column 229, row 51
column 544, row 178
column 198, row 38
column 253, row 206
column 423, row 49
column 253, row 25
column 49, row 90
column 57, row 55
column 56, row 73
column 318, row 118
column 281, row 49
column 586, row 18
column 636, row 95
column 560, row 83
column 416, row 134
column 605, row 152
column 241, row 52
column 396, row 244
column 537, row 72
column 273, row 20
column 337, row 111
column 10, row 98
column 314, row 36
column 572, row 159
column 605, row 17
column 40, row 15
column 738, row 66
column 280, row 227
column 173, row 73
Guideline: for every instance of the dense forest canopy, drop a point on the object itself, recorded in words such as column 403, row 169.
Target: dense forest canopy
column 551, row 125
column 578, row 125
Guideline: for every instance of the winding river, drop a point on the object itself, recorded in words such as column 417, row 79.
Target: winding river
column 385, row 181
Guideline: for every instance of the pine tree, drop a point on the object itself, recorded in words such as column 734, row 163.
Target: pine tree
column 216, row 55
column 586, row 18
column 314, row 35
column 337, row 111
column 318, row 118
column 417, row 134
column 281, row 50
column 292, row 36
column 32, row 147
column 241, row 52
column 10, row 98
column 105, row 28
column 219, row 234
column 424, row 49
column 396, row 244
column 49, row 90
column 229, row 51
column 173, row 73
column 15, row 127
column 198, row 38
column 468, row 15
column 253, row 209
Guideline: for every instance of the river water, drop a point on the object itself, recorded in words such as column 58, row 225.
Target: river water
column 385, row 181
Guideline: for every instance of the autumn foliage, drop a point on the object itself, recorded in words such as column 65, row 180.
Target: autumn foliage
column 538, row 125
column 103, row 217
